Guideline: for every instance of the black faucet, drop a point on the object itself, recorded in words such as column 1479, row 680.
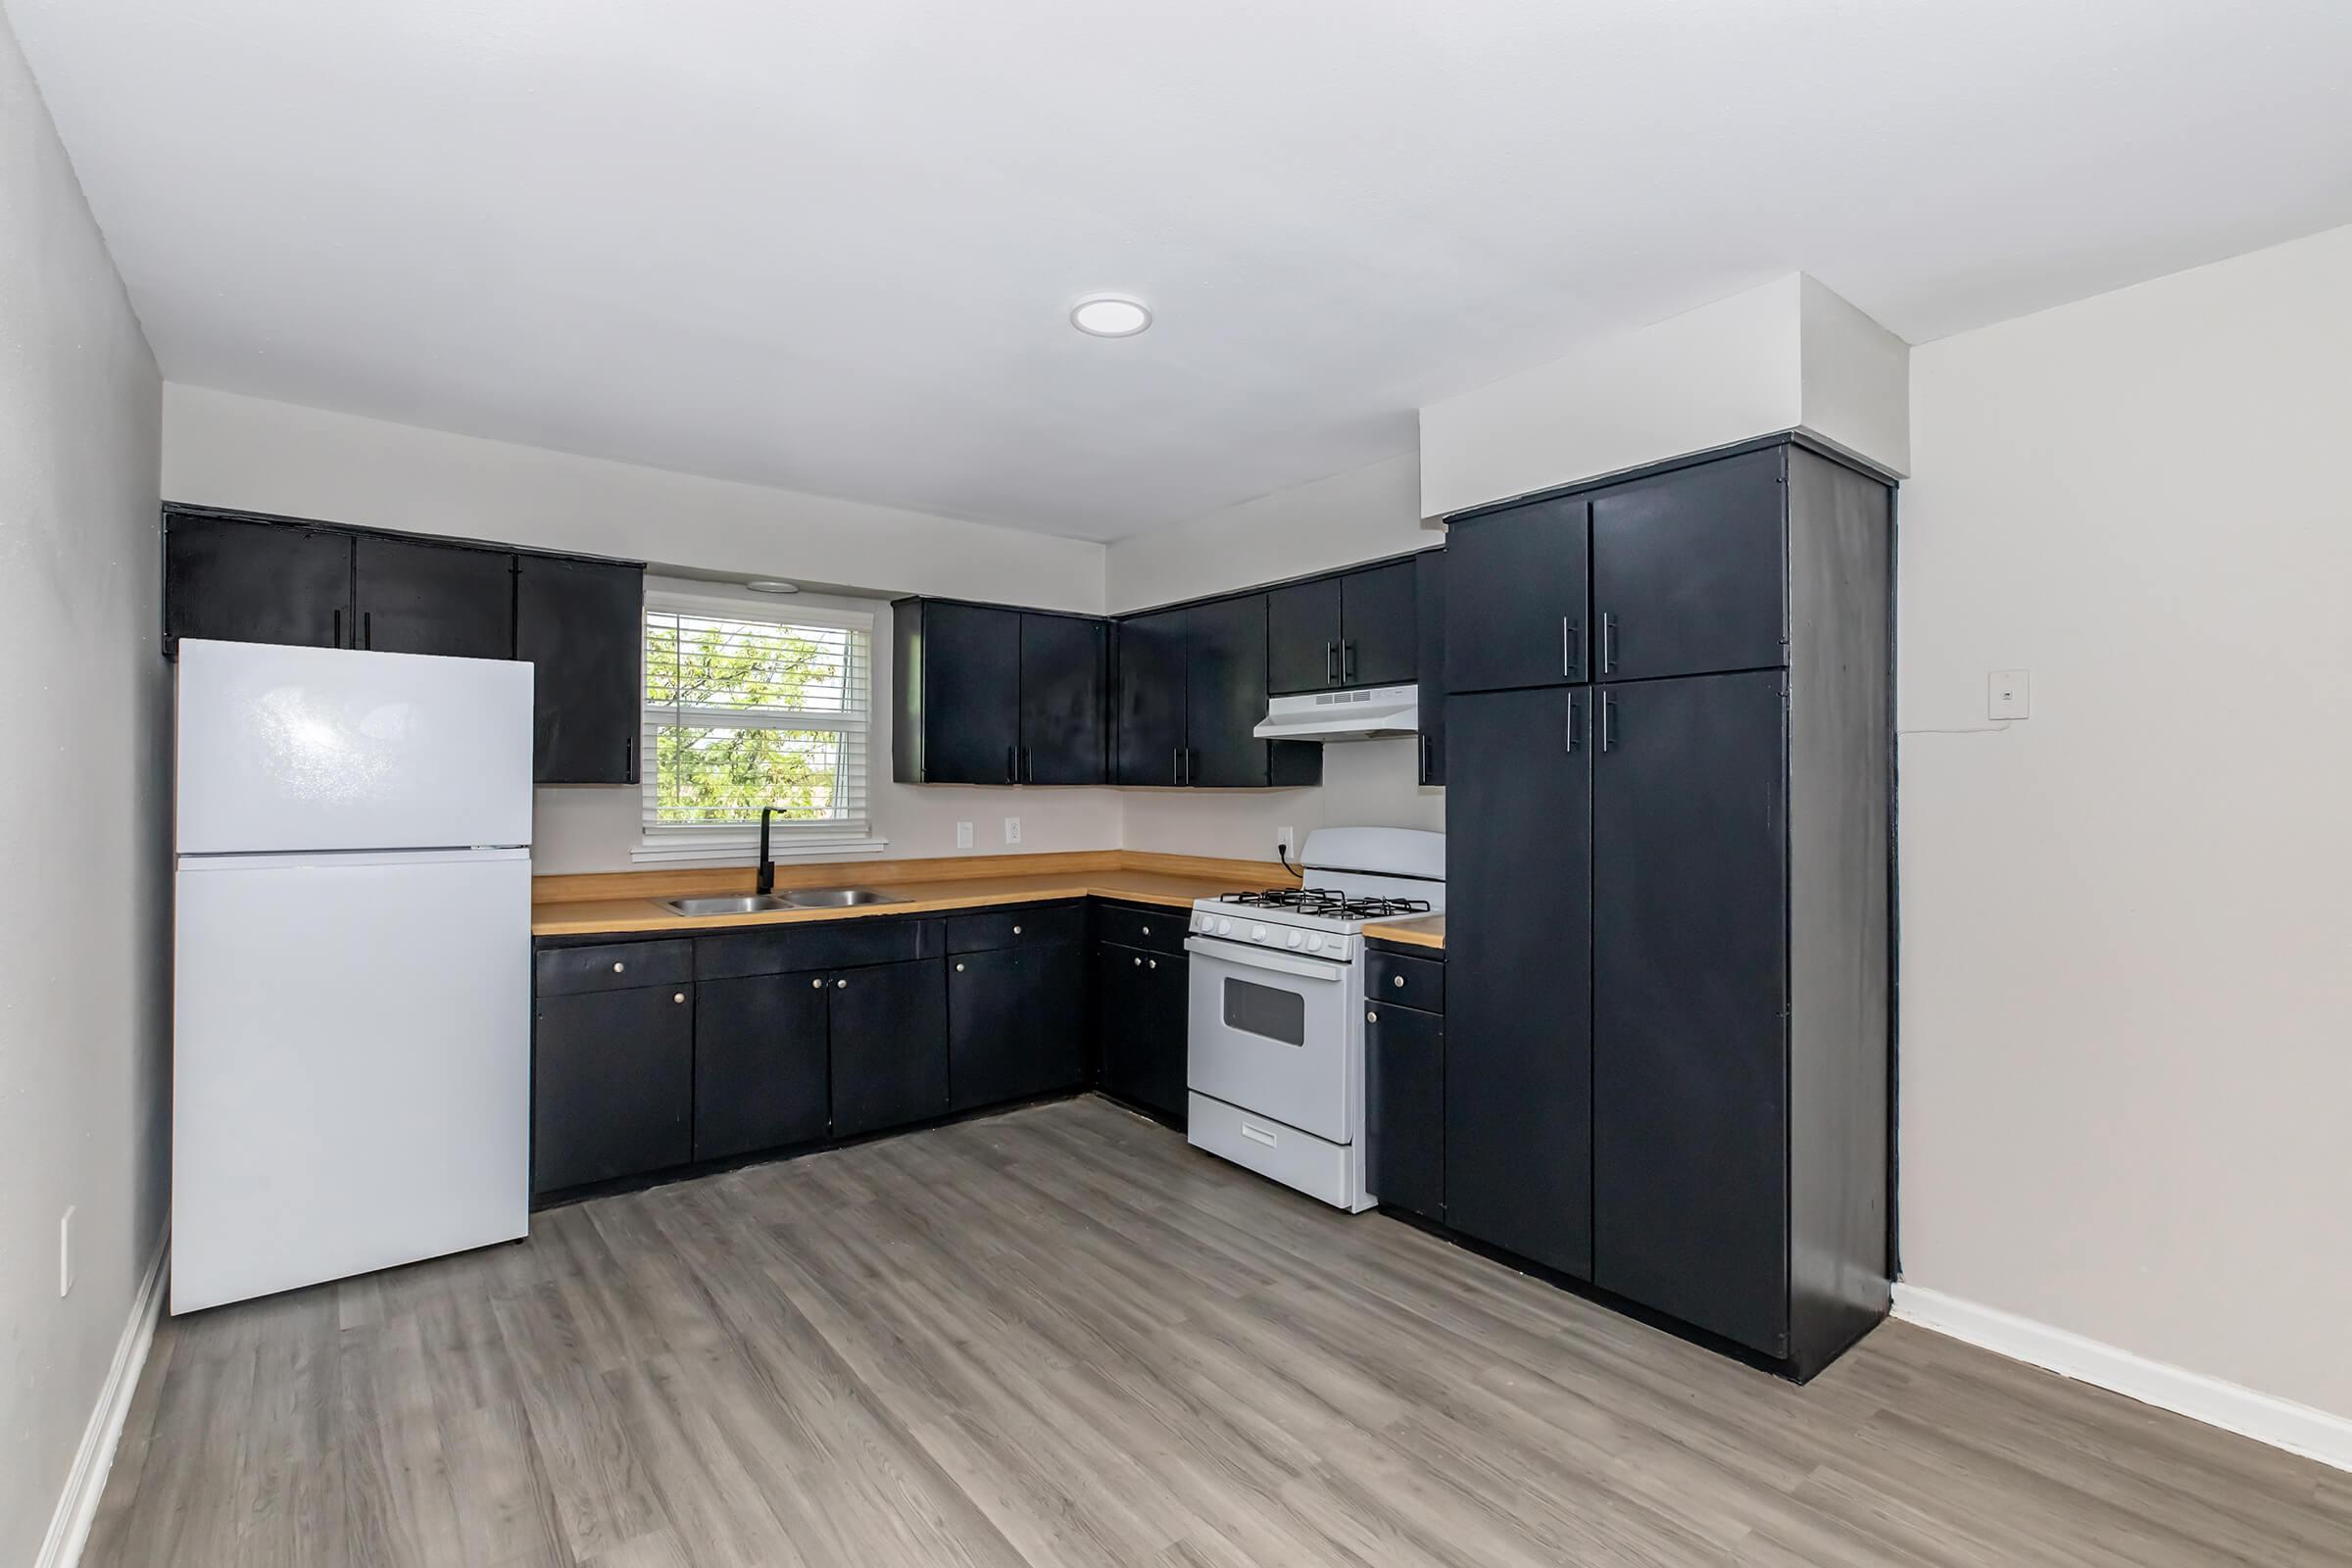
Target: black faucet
column 767, row 866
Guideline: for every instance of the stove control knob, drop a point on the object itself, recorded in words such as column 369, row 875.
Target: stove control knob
column 1296, row 940
column 1224, row 928
column 1258, row 933
column 1314, row 943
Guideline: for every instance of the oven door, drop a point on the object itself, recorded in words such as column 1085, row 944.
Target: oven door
column 1271, row 1033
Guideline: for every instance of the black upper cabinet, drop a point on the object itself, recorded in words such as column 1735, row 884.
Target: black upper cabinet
column 1687, row 571
column 1353, row 629
column 1017, row 1022
column 1147, row 741
column 241, row 581
column 987, row 695
column 761, row 1078
column 1515, row 597
column 1065, row 700
column 1518, row 973
column 1303, row 631
column 1428, row 614
column 1225, row 686
column 417, row 598
column 962, row 682
column 890, row 1045
column 581, row 625
column 1690, row 965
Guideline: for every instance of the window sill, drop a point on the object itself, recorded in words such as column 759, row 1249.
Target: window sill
column 739, row 852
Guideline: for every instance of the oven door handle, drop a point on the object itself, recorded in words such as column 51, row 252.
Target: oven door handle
column 1242, row 957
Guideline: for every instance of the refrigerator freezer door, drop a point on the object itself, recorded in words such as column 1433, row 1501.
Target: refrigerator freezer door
column 351, row 1065
column 299, row 748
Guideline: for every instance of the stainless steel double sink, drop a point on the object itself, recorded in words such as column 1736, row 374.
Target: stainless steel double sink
column 797, row 899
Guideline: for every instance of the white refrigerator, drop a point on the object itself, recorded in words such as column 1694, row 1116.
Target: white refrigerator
column 352, row 952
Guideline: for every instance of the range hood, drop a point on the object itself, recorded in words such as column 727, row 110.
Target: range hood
column 1371, row 714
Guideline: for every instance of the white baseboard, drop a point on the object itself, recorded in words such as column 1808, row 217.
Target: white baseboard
column 70, row 1526
column 2281, row 1423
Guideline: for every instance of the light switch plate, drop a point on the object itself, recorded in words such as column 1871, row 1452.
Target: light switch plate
column 963, row 835
column 2009, row 694
column 1013, row 830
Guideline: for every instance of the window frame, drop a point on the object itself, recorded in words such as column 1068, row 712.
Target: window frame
column 833, row 837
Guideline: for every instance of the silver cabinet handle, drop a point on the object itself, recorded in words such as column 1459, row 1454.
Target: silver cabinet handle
column 677, row 996
column 1397, row 981
column 618, row 966
column 818, row 983
column 1608, row 643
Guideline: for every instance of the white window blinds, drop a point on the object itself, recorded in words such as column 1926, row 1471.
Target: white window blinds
column 743, row 711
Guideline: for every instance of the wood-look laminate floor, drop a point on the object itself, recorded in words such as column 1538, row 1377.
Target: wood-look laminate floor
column 1061, row 1337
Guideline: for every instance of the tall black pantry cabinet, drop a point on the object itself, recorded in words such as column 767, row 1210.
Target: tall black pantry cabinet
column 1667, row 935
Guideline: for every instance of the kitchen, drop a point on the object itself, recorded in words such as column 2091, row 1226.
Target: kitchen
column 1343, row 1014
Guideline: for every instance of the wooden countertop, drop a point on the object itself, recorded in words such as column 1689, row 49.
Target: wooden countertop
column 1422, row 931
column 629, row 902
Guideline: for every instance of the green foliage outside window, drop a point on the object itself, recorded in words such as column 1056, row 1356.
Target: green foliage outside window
column 719, row 773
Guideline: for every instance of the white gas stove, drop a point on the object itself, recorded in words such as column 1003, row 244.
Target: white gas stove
column 1275, row 1043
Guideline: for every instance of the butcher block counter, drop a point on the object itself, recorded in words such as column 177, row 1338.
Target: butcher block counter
column 1421, row 931
column 629, row 902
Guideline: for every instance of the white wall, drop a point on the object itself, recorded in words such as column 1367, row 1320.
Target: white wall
column 2126, row 963
column 224, row 450
column 1352, row 517
column 84, row 823
column 583, row 828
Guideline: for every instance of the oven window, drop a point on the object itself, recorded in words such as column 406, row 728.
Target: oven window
column 1263, row 1011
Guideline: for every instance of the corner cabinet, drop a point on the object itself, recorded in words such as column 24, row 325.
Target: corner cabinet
column 990, row 695
column 1668, row 727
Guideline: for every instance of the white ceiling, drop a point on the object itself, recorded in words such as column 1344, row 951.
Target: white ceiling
column 830, row 246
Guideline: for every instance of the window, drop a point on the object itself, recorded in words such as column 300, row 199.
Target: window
column 745, row 710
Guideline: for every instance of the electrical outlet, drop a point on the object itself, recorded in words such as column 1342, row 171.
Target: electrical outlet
column 2009, row 694
column 64, row 1254
column 1013, row 830
column 963, row 835
column 1285, row 840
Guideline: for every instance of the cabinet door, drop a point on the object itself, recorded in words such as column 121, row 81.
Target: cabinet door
column 581, row 624
column 1141, row 1008
column 1302, row 636
column 761, row 1077
column 971, row 694
column 1518, row 974
column 1687, row 571
column 419, row 598
column 1149, row 737
column 1515, row 597
column 1689, row 1115
column 1379, row 637
column 1065, row 700
column 890, row 1045
column 1428, row 614
column 1404, row 1108
column 611, row 1085
column 1016, row 1023
column 257, row 582
column 1225, row 692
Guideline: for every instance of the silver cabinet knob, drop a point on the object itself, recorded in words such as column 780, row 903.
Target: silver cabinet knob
column 818, row 983
column 959, row 969
column 617, row 966
column 1146, row 930
column 1139, row 963
column 1397, row 981
column 1016, row 930
column 677, row 996
column 1151, row 964
column 1371, row 1017
column 841, row 985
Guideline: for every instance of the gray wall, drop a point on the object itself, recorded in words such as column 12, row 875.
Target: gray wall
column 84, row 812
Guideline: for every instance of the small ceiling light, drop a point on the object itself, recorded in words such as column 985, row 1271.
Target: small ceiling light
column 772, row 585
column 1109, row 315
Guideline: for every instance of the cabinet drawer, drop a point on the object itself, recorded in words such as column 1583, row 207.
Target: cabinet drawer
column 815, row 944
column 1020, row 926
column 613, row 967
column 1160, row 930
column 1408, row 982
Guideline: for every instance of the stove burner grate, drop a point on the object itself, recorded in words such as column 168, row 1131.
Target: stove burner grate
column 1326, row 902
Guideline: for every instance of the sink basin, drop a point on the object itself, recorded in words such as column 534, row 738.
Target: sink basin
column 742, row 904
column 837, row 898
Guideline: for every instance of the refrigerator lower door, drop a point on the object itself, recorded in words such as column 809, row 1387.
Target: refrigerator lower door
column 351, row 1065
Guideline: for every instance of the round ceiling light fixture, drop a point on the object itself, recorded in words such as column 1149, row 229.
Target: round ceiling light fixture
column 772, row 585
column 1109, row 315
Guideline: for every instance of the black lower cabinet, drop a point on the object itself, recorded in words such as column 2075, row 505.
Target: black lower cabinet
column 1518, row 973
column 1141, row 1003
column 1016, row 1023
column 889, row 1026
column 613, row 1085
column 1404, row 1108
column 760, row 1064
column 1689, row 964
